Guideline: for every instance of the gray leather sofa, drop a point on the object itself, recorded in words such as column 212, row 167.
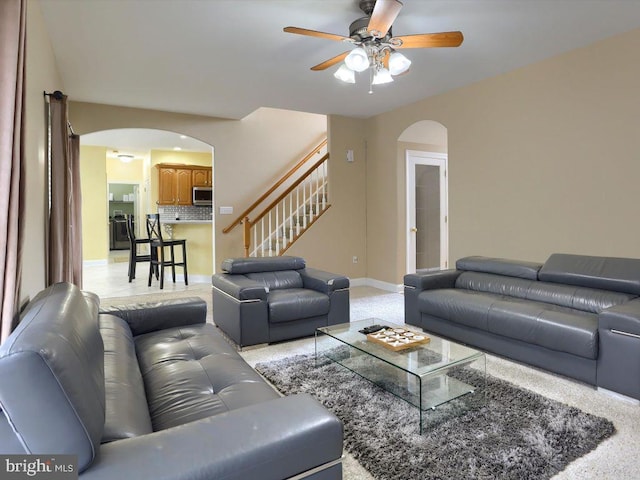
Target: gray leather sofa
column 269, row 299
column 575, row 315
column 152, row 391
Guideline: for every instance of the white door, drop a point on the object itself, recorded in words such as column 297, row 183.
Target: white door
column 427, row 216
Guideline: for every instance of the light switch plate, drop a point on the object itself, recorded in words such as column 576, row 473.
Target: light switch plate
column 349, row 155
column 226, row 210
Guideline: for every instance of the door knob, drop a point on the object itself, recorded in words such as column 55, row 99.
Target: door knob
column 414, row 229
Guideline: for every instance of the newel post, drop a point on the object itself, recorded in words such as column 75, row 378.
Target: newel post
column 246, row 235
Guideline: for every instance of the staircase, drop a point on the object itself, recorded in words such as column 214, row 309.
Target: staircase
column 294, row 210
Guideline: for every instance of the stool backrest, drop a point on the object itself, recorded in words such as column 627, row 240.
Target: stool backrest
column 130, row 230
column 153, row 227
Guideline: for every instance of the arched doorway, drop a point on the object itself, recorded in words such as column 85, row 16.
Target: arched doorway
column 425, row 155
column 119, row 177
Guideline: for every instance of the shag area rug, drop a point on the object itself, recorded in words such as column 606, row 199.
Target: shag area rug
column 510, row 433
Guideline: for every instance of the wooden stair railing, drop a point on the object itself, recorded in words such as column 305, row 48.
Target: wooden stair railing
column 275, row 186
column 287, row 217
column 295, row 210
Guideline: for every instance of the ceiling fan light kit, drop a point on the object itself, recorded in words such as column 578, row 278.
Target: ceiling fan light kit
column 357, row 60
column 381, row 76
column 375, row 45
column 345, row 74
column 398, row 63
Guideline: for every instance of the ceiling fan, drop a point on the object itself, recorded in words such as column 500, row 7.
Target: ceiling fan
column 375, row 46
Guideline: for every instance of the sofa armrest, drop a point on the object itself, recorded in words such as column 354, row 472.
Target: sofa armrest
column 321, row 281
column 432, row 280
column 239, row 286
column 623, row 318
column 149, row 317
column 271, row 440
column 618, row 365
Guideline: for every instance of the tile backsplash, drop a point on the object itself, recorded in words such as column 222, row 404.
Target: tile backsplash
column 169, row 213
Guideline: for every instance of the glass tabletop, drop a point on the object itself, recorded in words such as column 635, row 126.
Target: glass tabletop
column 422, row 360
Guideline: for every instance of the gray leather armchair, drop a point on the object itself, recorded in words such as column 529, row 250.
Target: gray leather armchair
column 269, row 299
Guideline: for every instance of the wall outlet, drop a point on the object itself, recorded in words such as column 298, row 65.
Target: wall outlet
column 355, row 259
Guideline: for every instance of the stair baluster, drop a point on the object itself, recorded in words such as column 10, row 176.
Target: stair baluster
column 291, row 214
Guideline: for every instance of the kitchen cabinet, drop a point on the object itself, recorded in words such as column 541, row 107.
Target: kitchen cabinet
column 176, row 182
column 183, row 186
column 167, row 185
column 202, row 177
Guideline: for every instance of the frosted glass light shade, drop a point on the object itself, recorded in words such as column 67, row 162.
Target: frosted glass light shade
column 382, row 76
column 345, row 74
column 398, row 63
column 357, row 60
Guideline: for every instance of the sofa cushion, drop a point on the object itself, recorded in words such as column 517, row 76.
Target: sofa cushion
column 54, row 362
column 191, row 373
column 127, row 412
column 277, row 280
column 295, row 304
column 500, row 266
column 498, row 284
column 542, row 324
column 548, row 326
column 607, row 273
column 579, row 298
column 261, row 264
column 466, row 307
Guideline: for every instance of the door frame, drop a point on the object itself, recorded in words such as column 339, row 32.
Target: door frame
column 441, row 160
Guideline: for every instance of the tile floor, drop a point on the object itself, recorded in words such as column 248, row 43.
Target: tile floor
column 112, row 280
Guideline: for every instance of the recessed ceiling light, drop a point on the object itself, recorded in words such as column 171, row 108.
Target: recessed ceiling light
column 177, row 149
column 183, row 137
column 126, row 158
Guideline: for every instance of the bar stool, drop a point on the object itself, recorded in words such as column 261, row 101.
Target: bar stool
column 159, row 244
column 134, row 258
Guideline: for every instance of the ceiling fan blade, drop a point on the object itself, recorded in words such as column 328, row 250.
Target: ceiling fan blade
column 315, row 33
column 331, row 62
column 430, row 40
column 384, row 14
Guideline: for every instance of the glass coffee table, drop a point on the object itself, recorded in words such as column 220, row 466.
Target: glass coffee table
column 425, row 375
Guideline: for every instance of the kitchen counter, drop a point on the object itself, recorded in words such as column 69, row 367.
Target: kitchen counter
column 184, row 222
column 199, row 236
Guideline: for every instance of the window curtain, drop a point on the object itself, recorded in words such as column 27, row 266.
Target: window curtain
column 64, row 259
column 12, row 100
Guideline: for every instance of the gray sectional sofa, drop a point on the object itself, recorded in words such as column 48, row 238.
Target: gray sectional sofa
column 575, row 315
column 152, row 391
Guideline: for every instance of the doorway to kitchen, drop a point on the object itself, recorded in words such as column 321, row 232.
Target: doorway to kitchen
column 124, row 200
column 119, row 177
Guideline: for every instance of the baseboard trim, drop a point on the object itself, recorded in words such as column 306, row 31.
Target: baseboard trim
column 95, row 263
column 619, row 396
column 180, row 277
column 200, row 279
column 372, row 282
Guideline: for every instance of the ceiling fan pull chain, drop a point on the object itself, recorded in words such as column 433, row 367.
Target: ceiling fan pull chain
column 370, row 81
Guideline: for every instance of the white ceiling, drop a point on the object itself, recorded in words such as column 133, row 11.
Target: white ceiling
column 226, row 58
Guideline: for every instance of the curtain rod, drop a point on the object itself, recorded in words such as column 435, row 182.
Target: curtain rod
column 58, row 95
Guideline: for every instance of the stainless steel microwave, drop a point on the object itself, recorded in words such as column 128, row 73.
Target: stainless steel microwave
column 202, row 196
